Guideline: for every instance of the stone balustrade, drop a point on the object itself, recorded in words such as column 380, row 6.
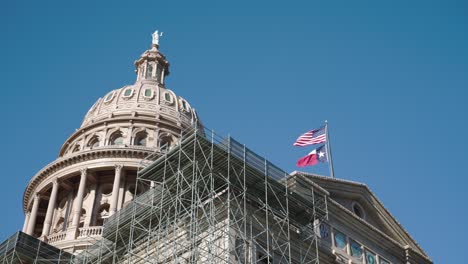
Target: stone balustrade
column 57, row 237
column 91, row 231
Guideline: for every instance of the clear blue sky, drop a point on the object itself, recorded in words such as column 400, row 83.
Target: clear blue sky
column 390, row 76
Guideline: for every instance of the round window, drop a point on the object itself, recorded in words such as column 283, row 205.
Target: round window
column 357, row 210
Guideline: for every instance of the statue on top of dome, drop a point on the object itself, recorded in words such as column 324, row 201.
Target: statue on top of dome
column 156, row 36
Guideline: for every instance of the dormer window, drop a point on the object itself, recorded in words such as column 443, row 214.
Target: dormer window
column 109, row 97
column 168, row 98
column 128, row 93
column 148, row 93
column 185, row 106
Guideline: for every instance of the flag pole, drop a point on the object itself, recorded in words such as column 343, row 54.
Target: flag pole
column 329, row 153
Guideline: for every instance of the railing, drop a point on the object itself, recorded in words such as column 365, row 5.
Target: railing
column 90, row 231
column 54, row 238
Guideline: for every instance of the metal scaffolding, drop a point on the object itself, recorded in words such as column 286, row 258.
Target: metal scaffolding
column 22, row 248
column 212, row 200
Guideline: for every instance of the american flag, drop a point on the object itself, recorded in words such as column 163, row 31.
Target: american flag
column 312, row 137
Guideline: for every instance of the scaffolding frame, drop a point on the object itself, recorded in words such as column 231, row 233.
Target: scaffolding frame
column 22, row 248
column 212, row 200
column 207, row 200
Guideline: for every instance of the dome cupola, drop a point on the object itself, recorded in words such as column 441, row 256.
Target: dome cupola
column 152, row 64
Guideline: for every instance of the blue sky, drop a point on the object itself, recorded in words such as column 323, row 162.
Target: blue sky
column 390, row 76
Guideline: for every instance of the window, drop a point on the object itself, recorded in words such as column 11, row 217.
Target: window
column 357, row 209
column 149, row 72
column 340, row 240
column 158, row 73
column 109, row 97
column 185, row 105
column 116, row 139
column 128, row 93
column 325, row 232
column 93, row 143
column 370, row 258
column 165, row 143
column 140, row 139
column 383, row 261
column 103, row 213
column 356, row 249
column 148, row 93
column 168, row 98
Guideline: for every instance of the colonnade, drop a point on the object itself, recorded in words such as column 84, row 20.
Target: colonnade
column 31, row 215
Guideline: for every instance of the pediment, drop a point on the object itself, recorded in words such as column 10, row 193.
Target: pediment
column 363, row 203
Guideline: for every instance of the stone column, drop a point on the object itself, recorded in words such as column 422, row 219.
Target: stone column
column 32, row 217
column 26, row 220
column 50, row 209
column 92, row 197
column 115, row 190
column 79, row 200
column 121, row 191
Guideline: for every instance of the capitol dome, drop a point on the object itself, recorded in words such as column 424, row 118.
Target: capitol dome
column 67, row 201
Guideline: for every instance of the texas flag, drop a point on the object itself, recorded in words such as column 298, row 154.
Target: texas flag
column 317, row 155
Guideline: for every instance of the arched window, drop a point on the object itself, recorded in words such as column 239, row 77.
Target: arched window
column 165, row 143
column 93, row 143
column 140, row 139
column 76, row 148
column 103, row 213
column 116, row 139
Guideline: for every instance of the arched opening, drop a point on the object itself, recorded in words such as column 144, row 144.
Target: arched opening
column 165, row 143
column 140, row 139
column 102, row 214
column 93, row 142
column 116, row 139
column 76, row 148
column 106, row 189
